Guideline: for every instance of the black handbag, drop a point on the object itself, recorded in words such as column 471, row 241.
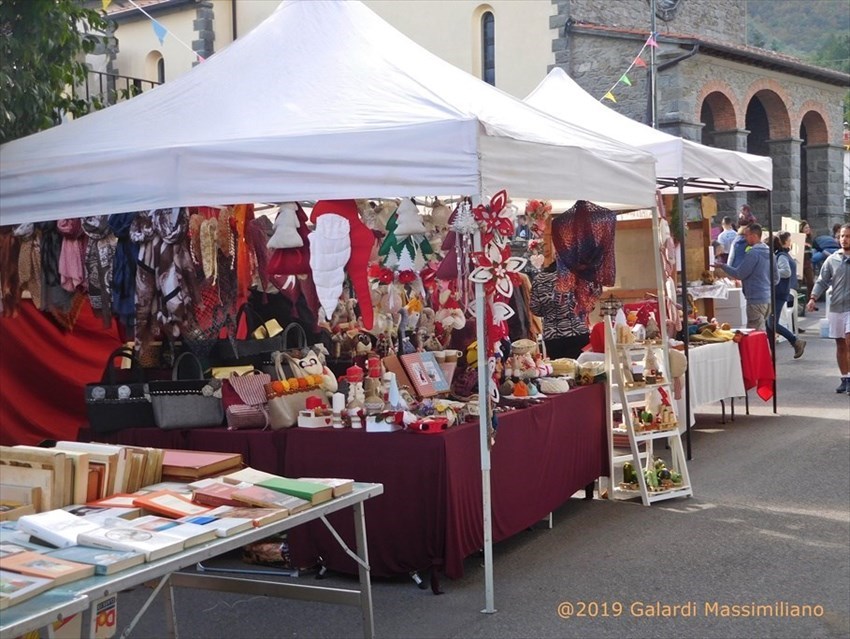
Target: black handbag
column 112, row 405
column 187, row 401
column 252, row 351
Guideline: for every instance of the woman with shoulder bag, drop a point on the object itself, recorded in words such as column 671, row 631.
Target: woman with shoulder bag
column 787, row 267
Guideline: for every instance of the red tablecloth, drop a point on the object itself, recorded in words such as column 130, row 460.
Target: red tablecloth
column 757, row 364
column 430, row 515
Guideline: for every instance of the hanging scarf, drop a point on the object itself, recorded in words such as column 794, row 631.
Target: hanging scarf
column 147, row 300
column 56, row 298
column 29, row 263
column 583, row 240
column 72, row 255
column 100, row 254
column 174, row 270
column 242, row 213
column 10, row 291
column 124, row 270
column 259, row 231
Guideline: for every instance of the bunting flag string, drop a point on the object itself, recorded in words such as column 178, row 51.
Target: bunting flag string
column 637, row 62
column 158, row 28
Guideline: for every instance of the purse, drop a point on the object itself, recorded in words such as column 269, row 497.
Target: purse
column 251, row 351
column 284, row 403
column 187, row 402
column 244, row 400
column 113, row 406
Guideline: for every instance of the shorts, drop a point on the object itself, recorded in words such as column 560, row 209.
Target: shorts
column 839, row 324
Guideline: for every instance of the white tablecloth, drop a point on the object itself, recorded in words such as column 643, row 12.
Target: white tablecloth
column 715, row 374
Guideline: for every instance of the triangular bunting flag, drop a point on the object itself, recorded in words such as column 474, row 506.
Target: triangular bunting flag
column 639, row 62
column 105, row 3
column 651, row 42
column 625, row 80
column 609, row 96
column 160, row 31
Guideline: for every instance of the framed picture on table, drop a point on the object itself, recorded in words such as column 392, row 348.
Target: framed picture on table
column 425, row 374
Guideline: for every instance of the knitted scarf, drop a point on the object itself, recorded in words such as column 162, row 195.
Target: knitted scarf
column 583, row 239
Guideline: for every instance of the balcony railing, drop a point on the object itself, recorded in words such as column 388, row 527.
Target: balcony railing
column 105, row 89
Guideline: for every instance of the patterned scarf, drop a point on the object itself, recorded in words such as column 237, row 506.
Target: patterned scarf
column 56, row 297
column 147, row 300
column 29, row 263
column 10, row 291
column 583, row 239
column 100, row 254
column 174, row 270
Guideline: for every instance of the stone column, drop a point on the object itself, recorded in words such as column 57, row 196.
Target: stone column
column 786, row 178
column 204, row 45
column 735, row 140
column 825, row 187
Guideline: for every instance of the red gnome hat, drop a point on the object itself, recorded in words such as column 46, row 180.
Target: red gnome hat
column 362, row 241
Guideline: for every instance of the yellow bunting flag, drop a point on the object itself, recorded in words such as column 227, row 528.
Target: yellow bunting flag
column 625, row 80
column 105, row 3
column 609, row 96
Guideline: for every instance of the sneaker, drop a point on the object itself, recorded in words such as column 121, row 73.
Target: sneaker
column 845, row 385
column 799, row 347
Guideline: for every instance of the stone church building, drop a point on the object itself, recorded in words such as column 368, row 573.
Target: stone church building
column 710, row 86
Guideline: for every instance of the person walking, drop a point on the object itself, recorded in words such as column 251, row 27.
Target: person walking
column 808, row 269
column 754, row 271
column 786, row 266
column 725, row 239
column 835, row 272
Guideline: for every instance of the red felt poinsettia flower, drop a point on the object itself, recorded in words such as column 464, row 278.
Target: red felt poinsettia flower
column 494, row 226
column 407, row 277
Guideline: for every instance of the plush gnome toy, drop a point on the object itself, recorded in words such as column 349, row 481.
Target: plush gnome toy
column 340, row 233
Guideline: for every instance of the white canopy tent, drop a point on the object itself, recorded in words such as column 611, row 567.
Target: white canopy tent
column 703, row 169
column 323, row 100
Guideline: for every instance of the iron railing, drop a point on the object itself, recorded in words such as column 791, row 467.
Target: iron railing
column 105, row 89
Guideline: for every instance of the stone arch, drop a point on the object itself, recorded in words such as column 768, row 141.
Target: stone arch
column 717, row 114
column 722, row 102
column 815, row 121
column 774, row 99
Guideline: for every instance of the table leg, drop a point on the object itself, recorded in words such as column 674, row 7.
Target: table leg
column 747, row 401
column 722, row 412
column 588, row 494
column 732, row 408
column 363, row 571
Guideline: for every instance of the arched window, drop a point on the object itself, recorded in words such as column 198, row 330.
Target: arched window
column 488, row 48
column 160, row 70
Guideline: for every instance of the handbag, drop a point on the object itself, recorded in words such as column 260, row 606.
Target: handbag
column 113, row 406
column 244, row 400
column 251, row 351
column 187, row 402
column 287, row 397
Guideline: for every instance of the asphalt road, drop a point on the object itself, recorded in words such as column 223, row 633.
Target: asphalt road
column 768, row 529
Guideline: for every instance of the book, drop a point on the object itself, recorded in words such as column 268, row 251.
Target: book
column 22, row 494
column 313, row 492
column 191, row 464
column 247, row 475
column 340, row 486
column 192, row 534
column 15, row 587
column 10, row 534
column 176, row 486
column 35, row 564
column 79, row 461
column 7, row 549
column 105, row 562
column 154, row 545
column 169, row 503
column 217, row 494
column 425, row 373
column 257, row 516
column 99, row 512
column 268, row 498
column 15, row 459
column 119, row 500
column 14, row 510
column 222, row 525
column 111, row 456
column 57, row 527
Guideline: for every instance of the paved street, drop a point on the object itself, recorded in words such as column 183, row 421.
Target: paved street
column 769, row 525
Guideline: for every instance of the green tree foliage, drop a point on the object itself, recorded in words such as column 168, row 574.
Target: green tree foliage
column 42, row 46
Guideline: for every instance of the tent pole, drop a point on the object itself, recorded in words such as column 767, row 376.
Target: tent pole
column 683, row 228
column 773, row 311
column 483, row 428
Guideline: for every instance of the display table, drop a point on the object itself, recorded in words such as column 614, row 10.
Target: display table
column 431, row 514
column 81, row 595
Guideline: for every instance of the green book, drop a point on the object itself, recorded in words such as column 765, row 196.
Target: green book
column 313, row 492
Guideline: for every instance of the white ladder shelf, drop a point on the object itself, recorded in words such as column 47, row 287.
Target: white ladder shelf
column 622, row 398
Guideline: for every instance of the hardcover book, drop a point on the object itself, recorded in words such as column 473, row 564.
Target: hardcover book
column 425, row 374
column 105, row 562
column 247, row 475
column 222, row 525
column 340, row 486
column 216, row 494
column 57, row 527
column 15, row 587
column 257, row 516
column 268, row 498
column 154, row 545
column 190, row 464
column 35, row 564
column 313, row 492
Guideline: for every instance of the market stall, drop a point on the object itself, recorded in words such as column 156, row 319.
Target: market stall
column 342, row 106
